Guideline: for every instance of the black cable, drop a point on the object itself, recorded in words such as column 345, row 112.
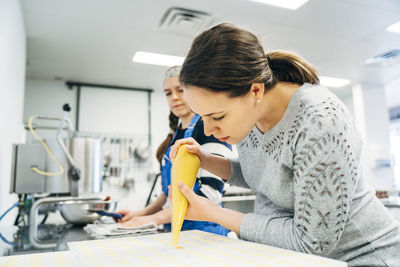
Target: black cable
column 152, row 189
column 44, row 219
column 20, row 196
column 16, row 219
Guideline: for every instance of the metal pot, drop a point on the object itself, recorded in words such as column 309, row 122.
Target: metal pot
column 88, row 155
column 84, row 211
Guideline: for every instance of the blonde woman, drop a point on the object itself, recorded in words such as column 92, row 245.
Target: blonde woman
column 183, row 124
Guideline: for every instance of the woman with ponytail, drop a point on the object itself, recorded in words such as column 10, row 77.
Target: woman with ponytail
column 298, row 150
column 183, row 124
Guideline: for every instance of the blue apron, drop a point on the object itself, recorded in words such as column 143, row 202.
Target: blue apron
column 166, row 166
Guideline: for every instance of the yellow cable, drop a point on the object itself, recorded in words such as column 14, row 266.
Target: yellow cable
column 48, row 151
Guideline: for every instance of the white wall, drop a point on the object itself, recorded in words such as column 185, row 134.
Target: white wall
column 113, row 111
column 12, row 79
column 46, row 98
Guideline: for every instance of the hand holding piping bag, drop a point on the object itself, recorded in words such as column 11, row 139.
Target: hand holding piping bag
column 199, row 208
column 192, row 147
column 184, row 169
column 183, row 175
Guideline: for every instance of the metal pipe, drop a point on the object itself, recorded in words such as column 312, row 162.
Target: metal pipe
column 34, row 214
column 69, row 126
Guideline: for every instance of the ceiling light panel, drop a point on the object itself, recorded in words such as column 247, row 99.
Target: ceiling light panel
column 157, row 59
column 288, row 4
column 394, row 27
column 333, row 82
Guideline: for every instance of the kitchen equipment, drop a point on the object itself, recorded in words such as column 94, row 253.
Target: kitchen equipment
column 85, row 211
column 43, row 202
column 142, row 151
column 63, row 172
column 87, row 155
column 238, row 198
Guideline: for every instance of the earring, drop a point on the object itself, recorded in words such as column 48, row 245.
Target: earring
column 258, row 100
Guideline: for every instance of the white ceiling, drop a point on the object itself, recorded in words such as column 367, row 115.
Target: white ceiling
column 94, row 40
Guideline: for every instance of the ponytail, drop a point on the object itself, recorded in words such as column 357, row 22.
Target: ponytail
column 163, row 147
column 230, row 59
column 288, row 67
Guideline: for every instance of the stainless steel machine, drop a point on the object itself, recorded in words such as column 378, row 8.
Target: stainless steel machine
column 87, row 157
column 64, row 172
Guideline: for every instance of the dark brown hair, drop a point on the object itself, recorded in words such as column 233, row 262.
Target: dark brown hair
column 229, row 59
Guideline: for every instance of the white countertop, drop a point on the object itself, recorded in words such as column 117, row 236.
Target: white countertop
column 198, row 249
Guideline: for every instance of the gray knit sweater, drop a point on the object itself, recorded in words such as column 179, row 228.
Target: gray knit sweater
column 311, row 196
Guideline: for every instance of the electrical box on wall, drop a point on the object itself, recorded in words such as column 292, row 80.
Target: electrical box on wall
column 23, row 179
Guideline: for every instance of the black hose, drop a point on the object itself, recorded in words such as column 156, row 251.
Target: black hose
column 152, row 189
column 20, row 198
column 16, row 220
column 44, row 219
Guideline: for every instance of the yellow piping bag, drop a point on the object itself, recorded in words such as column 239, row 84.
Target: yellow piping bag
column 184, row 169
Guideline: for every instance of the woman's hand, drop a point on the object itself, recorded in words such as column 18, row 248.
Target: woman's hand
column 129, row 215
column 139, row 220
column 192, row 147
column 199, row 208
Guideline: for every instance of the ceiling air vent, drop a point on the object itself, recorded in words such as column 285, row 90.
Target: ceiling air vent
column 391, row 56
column 185, row 21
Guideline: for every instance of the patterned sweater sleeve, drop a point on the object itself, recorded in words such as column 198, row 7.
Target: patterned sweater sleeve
column 325, row 173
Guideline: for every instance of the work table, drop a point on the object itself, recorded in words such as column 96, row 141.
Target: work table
column 198, row 249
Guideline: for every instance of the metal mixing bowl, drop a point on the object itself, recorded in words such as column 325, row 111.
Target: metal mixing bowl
column 84, row 211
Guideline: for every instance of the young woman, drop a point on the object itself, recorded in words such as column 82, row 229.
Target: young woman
column 183, row 124
column 298, row 149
